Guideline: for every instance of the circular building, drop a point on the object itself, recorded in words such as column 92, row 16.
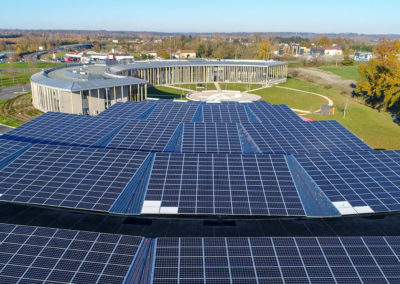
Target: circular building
column 90, row 89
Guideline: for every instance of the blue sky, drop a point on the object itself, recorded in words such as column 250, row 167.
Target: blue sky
column 367, row 16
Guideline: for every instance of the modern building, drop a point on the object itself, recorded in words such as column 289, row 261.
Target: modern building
column 328, row 51
column 90, row 89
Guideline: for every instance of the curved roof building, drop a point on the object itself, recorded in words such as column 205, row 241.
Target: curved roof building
column 90, row 89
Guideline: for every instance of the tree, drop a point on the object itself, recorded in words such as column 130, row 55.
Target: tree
column 380, row 77
column 265, row 49
column 163, row 53
column 201, row 51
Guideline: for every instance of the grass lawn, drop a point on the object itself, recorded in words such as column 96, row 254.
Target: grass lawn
column 49, row 56
column 293, row 99
column 207, row 86
column 374, row 127
column 162, row 92
column 8, row 79
column 239, row 86
column 27, row 65
column 16, row 111
column 346, row 72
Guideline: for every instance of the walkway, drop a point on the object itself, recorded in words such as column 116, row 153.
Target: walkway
column 217, row 87
column 330, row 102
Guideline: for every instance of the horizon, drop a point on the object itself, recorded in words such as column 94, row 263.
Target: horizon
column 173, row 17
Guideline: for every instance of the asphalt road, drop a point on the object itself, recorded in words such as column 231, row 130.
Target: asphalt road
column 14, row 91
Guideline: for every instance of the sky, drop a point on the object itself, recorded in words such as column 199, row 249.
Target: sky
column 335, row 16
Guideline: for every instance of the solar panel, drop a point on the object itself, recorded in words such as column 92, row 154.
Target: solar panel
column 224, row 112
column 211, row 138
column 297, row 137
column 221, row 185
column 127, row 110
column 182, row 111
column 357, row 182
column 65, row 129
column 144, row 135
column 74, row 177
column 267, row 112
column 278, row 260
column 10, row 149
column 45, row 255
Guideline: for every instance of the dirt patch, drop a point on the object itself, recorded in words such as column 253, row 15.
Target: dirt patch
column 323, row 79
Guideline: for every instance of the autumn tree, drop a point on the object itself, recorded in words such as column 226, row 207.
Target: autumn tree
column 265, row 49
column 380, row 77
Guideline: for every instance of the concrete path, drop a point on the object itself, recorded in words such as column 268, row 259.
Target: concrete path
column 217, row 87
column 5, row 128
column 330, row 102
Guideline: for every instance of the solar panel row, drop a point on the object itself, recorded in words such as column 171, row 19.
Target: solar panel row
column 221, row 185
column 45, row 255
column 31, row 254
column 149, row 135
column 258, row 111
column 232, row 184
column 278, row 260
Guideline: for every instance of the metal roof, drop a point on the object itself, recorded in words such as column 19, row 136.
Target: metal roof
column 145, row 64
column 75, row 78
column 93, row 77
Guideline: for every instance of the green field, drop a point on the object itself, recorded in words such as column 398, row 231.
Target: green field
column 163, row 92
column 293, row 99
column 374, row 127
column 28, row 65
column 16, row 111
column 8, row 79
column 242, row 87
column 206, row 86
column 346, row 72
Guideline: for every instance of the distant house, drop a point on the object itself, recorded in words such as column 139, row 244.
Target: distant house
column 363, row 56
column 328, row 51
column 185, row 54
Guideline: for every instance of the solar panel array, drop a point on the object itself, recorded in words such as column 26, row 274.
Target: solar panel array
column 144, row 135
column 211, row 138
column 298, row 137
column 226, row 112
column 264, row 111
column 174, row 111
column 278, row 260
column 221, row 185
column 166, row 110
column 31, row 254
column 64, row 129
column 45, row 255
column 127, row 110
column 360, row 178
column 83, row 178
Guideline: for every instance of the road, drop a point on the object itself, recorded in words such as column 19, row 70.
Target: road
column 14, row 91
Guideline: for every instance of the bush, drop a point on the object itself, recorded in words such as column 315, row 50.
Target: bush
column 348, row 62
column 328, row 86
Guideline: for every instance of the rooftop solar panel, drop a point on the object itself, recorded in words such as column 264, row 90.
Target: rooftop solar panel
column 211, row 138
column 144, row 135
column 278, row 260
column 357, row 182
column 74, row 177
column 45, row 255
column 127, row 110
column 181, row 111
column 267, row 112
column 10, row 149
column 65, row 129
column 221, row 185
column 297, row 137
column 224, row 112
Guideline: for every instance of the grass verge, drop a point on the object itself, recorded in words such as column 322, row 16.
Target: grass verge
column 16, row 111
